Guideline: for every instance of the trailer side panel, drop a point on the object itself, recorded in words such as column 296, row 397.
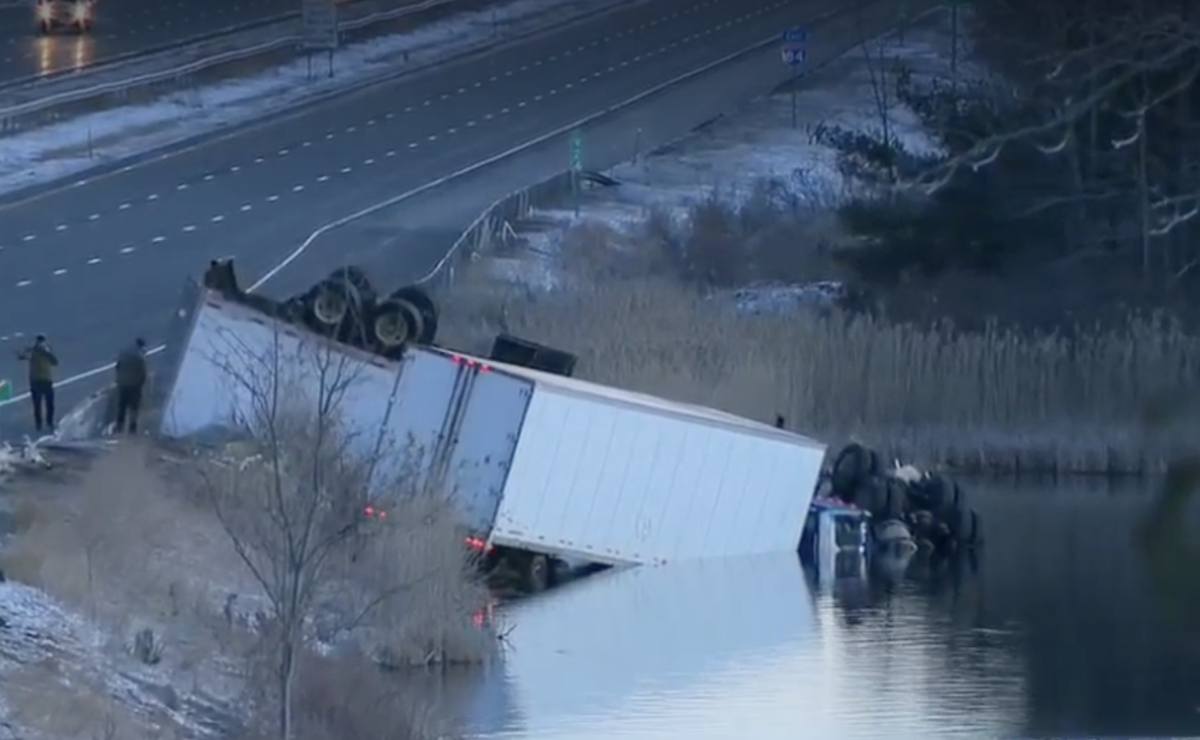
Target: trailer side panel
column 235, row 359
column 623, row 481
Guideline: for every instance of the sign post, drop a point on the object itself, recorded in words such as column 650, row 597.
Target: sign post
column 954, row 5
column 795, row 52
column 6, row 393
column 319, row 30
column 576, row 165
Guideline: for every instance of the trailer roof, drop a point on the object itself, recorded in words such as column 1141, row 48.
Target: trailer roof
column 576, row 386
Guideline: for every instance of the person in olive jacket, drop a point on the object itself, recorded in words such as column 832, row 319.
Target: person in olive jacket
column 42, row 362
column 131, row 380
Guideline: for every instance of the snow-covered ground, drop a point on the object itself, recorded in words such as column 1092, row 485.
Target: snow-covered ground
column 66, row 149
column 751, row 153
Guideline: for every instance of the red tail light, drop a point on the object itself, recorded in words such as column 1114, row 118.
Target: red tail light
column 476, row 544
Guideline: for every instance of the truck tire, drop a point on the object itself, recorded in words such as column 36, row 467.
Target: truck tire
column 337, row 305
column 537, row 573
column 394, row 323
column 418, row 298
column 853, row 466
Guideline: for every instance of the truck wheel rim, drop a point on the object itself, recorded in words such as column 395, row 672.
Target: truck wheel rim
column 329, row 308
column 391, row 329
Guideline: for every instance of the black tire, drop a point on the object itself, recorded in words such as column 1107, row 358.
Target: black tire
column 426, row 307
column 537, row 574
column 870, row 495
column 853, row 465
column 966, row 529
column 928, row 494
column 338, row 305
column 896, row 500
column 394, row 324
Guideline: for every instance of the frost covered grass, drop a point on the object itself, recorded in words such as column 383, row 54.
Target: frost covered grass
column 146, row 576
column 993, row 400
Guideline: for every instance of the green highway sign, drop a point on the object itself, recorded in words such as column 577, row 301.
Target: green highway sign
column 576, row 150
column 6, row 390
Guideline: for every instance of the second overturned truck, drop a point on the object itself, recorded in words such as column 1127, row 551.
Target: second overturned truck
column 542, row 468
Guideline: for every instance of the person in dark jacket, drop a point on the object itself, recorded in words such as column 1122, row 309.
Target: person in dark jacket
column 131, row 379
column 42, row 362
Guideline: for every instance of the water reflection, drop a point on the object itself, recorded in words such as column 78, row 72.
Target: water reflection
column 57, row 54
column 1055, row 634
column 742, row 648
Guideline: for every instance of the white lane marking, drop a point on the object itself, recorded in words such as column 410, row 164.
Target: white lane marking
column 29, row 237
column 297, row 188
column 94, row 217
column 127, row 250
column 152, row 196
column 323, row 178
column 60, row 272
column 158, row 240
column 124, row 206
column 24, row 283
column 307, row 243
column 94, row 261
column 217, row 219
column 245, row 207
column 60, row 227
column 189, row 228
column 272, row 198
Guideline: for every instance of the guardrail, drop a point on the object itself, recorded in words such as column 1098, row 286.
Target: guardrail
column 495, row 224
column 237, row 55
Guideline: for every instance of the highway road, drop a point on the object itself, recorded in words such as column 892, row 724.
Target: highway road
column 122, row 27
column 95, row 265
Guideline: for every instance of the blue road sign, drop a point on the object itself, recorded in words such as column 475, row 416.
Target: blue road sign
column 794, row 41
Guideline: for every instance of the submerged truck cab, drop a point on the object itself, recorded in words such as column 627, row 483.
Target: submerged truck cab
column 837, row 539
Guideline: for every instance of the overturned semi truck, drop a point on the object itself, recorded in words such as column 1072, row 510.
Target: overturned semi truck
column 544, row 470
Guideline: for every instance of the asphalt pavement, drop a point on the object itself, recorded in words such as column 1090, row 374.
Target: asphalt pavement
column 121, row 27
column 96, row 264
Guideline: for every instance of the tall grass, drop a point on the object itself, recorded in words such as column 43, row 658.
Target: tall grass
column 993, row 400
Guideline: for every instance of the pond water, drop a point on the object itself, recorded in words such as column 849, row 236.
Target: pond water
column 1053, row 633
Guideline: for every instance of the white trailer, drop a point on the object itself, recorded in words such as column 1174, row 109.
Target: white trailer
column 540, row 465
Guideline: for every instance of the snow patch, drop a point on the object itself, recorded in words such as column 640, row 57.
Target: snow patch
column 735, row 157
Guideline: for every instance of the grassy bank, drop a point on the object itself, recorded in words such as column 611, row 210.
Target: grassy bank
column 127, row 544
column 993, row 400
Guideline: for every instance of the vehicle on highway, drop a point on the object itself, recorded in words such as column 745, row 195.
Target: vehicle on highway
column 545, row 470
column 53, row 15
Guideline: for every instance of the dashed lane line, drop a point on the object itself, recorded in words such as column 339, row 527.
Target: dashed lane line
column 451, row 131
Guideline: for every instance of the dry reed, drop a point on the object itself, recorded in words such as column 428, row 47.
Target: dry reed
column 995, row 400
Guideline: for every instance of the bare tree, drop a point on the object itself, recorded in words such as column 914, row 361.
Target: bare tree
column 325, row 515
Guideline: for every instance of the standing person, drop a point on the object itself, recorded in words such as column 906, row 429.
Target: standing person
column 131, row 379
column 42, row 362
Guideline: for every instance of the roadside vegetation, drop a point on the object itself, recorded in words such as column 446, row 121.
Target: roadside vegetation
column 253, row 572
column 1011, row 301
column 995, row 399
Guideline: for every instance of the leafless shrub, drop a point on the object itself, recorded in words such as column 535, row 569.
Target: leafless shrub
column 348, row 698
column 147, row 647
column 993, row 400
column 339, row 539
